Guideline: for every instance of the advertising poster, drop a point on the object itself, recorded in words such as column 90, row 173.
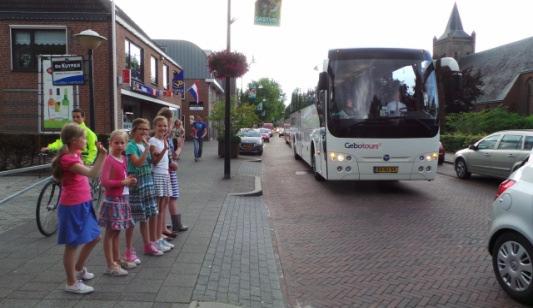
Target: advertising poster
column 57, row 101
column 267, row 12
column 178, row 84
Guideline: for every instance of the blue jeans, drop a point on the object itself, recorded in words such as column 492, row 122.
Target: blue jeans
column 198, row 147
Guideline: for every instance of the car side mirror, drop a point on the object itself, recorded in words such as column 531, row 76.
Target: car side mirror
column 472, row 147
column 323, row 81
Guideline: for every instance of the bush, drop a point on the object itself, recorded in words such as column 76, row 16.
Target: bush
column 486, row 122
column 455, row 142
column 234, row 138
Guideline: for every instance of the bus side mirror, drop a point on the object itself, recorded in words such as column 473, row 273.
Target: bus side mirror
column 323, row 81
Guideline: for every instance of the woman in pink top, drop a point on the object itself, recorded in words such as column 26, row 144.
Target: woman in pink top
column 115, row 212
column 76, row 219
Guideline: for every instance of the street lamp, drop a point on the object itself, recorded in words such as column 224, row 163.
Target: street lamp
column 90, row 39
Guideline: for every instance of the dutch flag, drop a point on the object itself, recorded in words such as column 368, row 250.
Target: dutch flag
column 193, row 90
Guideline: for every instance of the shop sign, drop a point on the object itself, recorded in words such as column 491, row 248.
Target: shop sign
column 144, row 89
column 193, row 106
column 67, row 71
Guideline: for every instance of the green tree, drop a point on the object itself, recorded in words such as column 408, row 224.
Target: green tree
column 242, row 116
column 471, row 90
column 268, row 99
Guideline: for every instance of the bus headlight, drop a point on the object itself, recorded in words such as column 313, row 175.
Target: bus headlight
column 430, row 156
column 335, row 156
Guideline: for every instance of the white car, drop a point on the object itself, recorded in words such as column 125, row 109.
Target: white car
column 511, row 234
column 251, row 142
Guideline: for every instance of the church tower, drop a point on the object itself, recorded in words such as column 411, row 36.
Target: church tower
column 454, row 42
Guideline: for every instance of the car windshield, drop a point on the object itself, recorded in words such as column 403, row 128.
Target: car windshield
column 250, row 133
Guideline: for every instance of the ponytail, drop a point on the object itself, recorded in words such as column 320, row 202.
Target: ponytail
column 68, row 134
column 57, row 171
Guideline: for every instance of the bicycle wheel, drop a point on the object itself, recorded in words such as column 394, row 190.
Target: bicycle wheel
column 46, row 208
column 96, row 192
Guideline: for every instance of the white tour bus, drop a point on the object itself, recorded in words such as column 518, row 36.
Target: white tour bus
column 376, row 115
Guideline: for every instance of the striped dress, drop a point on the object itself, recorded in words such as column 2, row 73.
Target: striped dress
column 174, row 183
column 142, row 196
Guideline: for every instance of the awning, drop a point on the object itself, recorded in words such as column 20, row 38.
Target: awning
column 147, row 98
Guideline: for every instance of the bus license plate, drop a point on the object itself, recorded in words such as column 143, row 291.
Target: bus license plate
column 387, row 169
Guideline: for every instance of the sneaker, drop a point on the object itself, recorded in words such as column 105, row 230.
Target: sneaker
column 150, row 249
column 166, row 243
column 127, row 265
column 159, row 244
column 116, row 271
column 131, row 256
column 84, row 275
column 79, row 288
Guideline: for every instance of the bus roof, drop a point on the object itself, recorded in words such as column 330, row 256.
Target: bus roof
column 377, row 53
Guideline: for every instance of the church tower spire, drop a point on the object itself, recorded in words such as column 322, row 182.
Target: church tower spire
column 454, row 42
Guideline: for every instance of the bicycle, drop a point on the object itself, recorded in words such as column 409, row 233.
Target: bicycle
column 48, row 201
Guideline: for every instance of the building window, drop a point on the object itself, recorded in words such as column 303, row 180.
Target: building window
column 165, row 76
column 134, row 60
column 153, row 70
column 27, row 44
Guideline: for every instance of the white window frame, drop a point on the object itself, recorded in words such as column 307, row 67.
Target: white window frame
column 153, row 61
column 166, row 69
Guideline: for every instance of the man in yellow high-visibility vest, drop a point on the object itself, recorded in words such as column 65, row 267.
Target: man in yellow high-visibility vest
column 88, row 155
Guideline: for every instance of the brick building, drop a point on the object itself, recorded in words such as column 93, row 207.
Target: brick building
column 29, row 28
column 506, row 71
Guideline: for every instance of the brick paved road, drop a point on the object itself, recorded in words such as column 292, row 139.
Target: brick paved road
column 400, row 244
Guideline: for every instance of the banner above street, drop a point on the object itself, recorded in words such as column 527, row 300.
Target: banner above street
column 267, row 12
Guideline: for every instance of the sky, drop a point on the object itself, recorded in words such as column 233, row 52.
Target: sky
column 289, row 53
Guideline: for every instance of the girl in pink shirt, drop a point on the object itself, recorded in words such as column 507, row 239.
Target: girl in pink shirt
column 77, row 223
column 115, row 212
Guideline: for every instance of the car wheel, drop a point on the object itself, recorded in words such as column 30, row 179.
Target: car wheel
column 513, row 265
column 460, row 169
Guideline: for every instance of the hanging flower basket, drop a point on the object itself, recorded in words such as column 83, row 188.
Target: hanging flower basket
column 227, row 64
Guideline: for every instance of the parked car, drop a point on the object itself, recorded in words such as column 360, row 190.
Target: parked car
column 251, row 142
column 287, row 136
column 496, row 155
column 266, row 133
column 442, row 152
column 511, row 234
column 281, row 131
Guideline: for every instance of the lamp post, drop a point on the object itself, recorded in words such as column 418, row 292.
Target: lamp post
column 90, row 39
column 227, row 109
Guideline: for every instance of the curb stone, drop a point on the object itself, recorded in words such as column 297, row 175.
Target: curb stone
column 258, row 190
column 196, row 304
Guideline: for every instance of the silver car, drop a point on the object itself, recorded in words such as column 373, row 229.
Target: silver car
column 496, row 155
column 511, row 234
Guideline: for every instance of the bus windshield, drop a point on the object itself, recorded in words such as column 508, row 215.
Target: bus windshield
column 383, row 98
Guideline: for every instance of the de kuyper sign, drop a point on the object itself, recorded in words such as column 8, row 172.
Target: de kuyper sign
column 67, row 71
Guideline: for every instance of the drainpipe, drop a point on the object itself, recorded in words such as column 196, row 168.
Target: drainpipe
column 115, row 114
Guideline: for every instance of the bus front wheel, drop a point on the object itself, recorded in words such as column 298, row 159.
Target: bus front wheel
column 317, row 175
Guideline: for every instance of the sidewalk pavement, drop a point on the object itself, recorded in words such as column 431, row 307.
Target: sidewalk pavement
column 225, row 257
